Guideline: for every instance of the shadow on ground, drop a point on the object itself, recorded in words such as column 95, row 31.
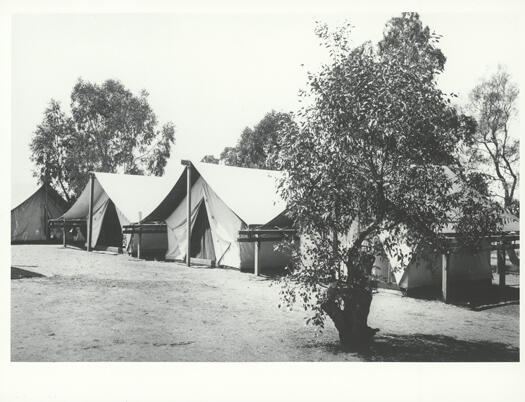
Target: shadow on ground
column 427, row 348
column 474, row 296
column 495, row 296
column 19, row 273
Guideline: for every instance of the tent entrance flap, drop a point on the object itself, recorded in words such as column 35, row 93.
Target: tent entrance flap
column 201, row 245
column 111, row 231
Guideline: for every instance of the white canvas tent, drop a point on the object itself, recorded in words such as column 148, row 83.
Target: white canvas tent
column 29, row 218
column 117, row 201
column 224, row 200
column 424, row 267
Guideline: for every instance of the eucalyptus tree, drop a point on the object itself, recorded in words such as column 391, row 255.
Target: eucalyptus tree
column 494, row 104
column 372, row 152
column 256, row 145
column 110, row 129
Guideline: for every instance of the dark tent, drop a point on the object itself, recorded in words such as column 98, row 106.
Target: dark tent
column 29, row 219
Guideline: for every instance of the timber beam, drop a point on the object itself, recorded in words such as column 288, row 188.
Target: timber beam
column 261, row 235
column 136, row 228
column 69, row 223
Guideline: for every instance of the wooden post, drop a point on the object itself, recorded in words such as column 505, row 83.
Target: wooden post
column 444, row 276
column 256, row 256
column 501, row 264
column 140, row 235
column 64, row 233
column 90, row 214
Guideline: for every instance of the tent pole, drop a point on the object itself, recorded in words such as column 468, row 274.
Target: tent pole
column 444, row 276
column 188, row 211
column 256, row 256
column 90, row 214
column 140, row 235
column 501, row 265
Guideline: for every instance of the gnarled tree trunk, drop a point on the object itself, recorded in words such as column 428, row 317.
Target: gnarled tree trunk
column 351, row 320
column 351, row 316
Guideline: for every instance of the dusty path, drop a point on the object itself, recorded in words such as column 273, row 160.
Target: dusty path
column 102, row 307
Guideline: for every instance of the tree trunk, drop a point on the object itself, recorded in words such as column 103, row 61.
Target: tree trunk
column 351, row 319
column 513, row 257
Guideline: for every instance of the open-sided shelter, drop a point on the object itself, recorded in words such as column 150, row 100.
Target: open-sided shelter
column 117, row 200
column 224, row 200
column 29, row 218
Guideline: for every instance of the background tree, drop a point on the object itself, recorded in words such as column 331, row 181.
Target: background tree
column 110, row 130
column 210, row 159
column 229, row 156
column 366, row 158
column 50, row 148
column 257, row 144
column 494, row 104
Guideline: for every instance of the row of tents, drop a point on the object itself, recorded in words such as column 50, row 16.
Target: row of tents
column 236, row 219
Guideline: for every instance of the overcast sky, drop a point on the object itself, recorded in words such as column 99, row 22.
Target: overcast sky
column 212, row 75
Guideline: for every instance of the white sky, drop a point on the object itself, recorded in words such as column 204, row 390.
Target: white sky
column 213, row 74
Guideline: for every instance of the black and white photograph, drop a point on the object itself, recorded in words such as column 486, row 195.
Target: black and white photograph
column 227, row 186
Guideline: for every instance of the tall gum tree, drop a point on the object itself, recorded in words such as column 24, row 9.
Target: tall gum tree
column 366, row 157
column 110, row 129
column 494, row 104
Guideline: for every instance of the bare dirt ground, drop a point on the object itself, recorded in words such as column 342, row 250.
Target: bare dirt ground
column 104, row 307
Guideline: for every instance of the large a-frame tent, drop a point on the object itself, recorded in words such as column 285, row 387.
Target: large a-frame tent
column 119, row 199
column 29, row 218
column 224, row 201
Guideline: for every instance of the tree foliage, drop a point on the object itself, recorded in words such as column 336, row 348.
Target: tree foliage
column 257, row 144
column 109, row 130
column 494, row 104
column 367, row 157
column 210, row 159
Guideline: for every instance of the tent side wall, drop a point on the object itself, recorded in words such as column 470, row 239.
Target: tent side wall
column 464, row 266
column 151, row 244
column 269, row 258
column 468, row 266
